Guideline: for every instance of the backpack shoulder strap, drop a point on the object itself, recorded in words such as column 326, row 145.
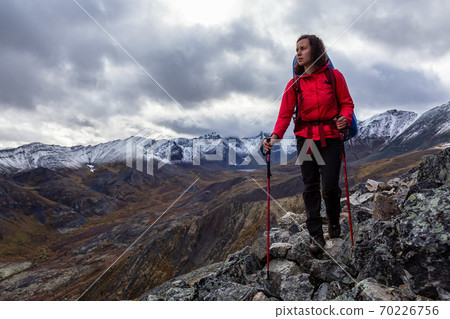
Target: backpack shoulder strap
column 298, row 92
column 296, row 86
column 331, row 79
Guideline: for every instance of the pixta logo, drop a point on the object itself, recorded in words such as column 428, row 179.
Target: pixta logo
column 143, row 148
column 150, row 150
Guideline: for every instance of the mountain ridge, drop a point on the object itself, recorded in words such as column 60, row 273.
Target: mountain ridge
column 390, row 133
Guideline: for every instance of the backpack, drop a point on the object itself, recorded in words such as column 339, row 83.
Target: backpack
column 352, row 130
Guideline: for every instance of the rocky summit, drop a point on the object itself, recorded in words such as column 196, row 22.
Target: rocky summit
column 401, row 250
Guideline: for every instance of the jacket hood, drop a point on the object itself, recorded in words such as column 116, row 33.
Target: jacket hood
column 322, row 69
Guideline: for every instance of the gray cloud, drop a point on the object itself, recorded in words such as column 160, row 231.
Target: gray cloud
column 191, row 63
column 52, row 54
column 391, row 86
column 415, row 26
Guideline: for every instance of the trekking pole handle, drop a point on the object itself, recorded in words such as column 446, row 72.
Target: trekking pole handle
column 262, row 147
column 337, row 117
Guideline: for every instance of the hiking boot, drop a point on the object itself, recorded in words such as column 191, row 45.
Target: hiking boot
column 317, row 244
column 334, row 231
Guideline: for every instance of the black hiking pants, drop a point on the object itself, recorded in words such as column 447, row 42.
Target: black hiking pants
column 312, row 174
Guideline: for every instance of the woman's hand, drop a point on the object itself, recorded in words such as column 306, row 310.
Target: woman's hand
column 268, row 144
column 341, row 122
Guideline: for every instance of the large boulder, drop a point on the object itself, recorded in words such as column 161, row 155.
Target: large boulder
column 232, row 291
column 239, row 266
column 385, row 207
column 297, row 288
column 300, row 250
column 424, row 240
column 435, row 168
column 370, row 290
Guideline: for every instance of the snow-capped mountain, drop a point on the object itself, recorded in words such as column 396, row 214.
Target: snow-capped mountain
column 53, row 156
column 397, row 132
column 430, row 129
column 386, row 126
column 212, row 149
column 380, row 136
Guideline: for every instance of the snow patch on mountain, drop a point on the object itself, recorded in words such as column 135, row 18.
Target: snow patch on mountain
column 387, row 125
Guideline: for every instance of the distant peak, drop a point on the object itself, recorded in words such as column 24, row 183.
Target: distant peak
column 212, row 135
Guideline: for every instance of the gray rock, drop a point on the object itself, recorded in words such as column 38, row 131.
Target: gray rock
column 232, row 292
column 300, row 250
column 372, row 186
column 333, row 247
column 260, row 296
column 185, row 281
column 238, row 266
column 291, row 220
column 279, row 250
column 296, row 288
column 10, row 268
column 270, row 284
column 443, row 294
column 370, row 290
column 207, row 285
column 335, row 289
column 382, row 266
column 385, row 207
column 372, row 255
column 365, row 198
column 259, row 248
column 435, row 168
column 284, row 267
column 181, row 294
column 153, row 298
column 278, row 235
column 322, row 293
column 424, row 241
column 329, row 270
column 402, row 194
column 395, row 182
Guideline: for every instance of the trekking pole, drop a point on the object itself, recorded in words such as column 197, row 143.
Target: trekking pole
column 346, row 185
column 269, row 174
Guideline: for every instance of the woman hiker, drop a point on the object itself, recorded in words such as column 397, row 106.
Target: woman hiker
column 319, row 118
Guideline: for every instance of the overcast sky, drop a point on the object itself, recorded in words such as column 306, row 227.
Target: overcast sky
column 186, row 68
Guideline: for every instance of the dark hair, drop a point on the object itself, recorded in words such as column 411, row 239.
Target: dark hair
column 318, row 53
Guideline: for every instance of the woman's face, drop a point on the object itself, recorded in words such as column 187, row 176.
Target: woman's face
column 304, row 53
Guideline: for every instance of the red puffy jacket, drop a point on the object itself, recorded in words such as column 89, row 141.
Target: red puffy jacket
column 319, row 104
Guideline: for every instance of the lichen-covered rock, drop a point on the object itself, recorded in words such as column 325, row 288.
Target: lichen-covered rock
column 300, row 250
column 269, row 284
column 370, row 290
column 436, row 168
column 207, row 285
column 333, row 247
column 329, row 270
column 173, row 290
column 321, row 293
column 278, row 235
column 329, row 291
column 292, row 221
column 181, row 294
column 297, row 288
column 152, row 298
column 424, row 240
column 279, row 250
column 397, row 256
column 372, row 255
column 232, row 291
column 238, row 266
column 284, row 267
